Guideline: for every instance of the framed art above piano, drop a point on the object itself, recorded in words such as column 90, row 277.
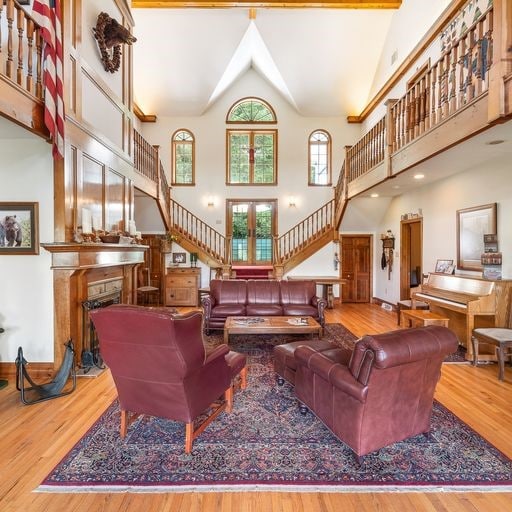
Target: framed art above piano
column 472, row 225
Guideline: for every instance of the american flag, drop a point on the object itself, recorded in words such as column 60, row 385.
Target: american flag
column 47, row 14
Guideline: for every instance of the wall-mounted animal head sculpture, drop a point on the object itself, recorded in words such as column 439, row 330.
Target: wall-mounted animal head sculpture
column 110, row 35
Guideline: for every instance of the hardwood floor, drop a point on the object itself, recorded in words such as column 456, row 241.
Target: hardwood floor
column 34, row 439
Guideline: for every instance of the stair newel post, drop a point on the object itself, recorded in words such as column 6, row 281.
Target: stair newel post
column 390, row 133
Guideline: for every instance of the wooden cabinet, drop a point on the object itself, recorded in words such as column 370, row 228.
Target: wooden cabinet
column 181, row 286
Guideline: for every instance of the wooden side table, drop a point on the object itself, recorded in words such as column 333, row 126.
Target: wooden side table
column 407, row 304
column 421, row 318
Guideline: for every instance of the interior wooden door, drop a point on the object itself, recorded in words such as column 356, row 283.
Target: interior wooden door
column 411, row 250
column 251, row 226
column 356, row 253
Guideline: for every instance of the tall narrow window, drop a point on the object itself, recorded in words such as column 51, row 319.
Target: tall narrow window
column 319, row 158
column 183, row 158
column 251, row 157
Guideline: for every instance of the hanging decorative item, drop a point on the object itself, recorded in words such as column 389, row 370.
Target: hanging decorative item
column 388, row 244
column 110, row 35
column 336, row 258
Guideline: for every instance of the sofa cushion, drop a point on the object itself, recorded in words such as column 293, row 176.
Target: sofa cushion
column 225, row 310
column 228, row 291
column 284, row 356
column 299, row 310
column 297, row 292
column 264, row 310
column 263, row 292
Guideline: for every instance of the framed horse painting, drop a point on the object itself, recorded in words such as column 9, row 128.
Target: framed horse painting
column 19, row 228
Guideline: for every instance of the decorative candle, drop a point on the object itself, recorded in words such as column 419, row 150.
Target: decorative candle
column 86, row 221
column 96, row 222
column 131, row 227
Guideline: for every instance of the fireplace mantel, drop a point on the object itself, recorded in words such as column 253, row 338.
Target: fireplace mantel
column 75, row 266
column 84, row 256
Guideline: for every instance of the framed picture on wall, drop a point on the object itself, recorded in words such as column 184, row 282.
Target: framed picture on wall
column 472, row 225
column 179, row 257
column 19, row 228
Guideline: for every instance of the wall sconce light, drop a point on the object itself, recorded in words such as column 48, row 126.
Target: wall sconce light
column 211, row 202
column 291, row 202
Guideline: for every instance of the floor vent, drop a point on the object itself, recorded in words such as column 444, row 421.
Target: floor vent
column 387, row 307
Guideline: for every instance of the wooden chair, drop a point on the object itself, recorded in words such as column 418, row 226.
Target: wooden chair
column 499, row 337
column 147, row 292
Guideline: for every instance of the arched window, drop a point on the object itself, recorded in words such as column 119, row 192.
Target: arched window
column 183, row 149
column 319, row 158
column 251, row 110
column 251, row 153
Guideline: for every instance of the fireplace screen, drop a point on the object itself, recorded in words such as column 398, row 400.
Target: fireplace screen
column 91, row 357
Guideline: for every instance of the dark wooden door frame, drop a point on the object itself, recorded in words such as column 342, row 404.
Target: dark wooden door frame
column 405, row 255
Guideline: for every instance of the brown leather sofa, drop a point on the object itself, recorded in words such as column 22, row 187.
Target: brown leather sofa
column 259, row 297
column 385, row 392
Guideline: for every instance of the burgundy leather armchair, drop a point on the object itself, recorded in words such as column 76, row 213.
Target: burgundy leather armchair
column 160, row 367
column 384, row 394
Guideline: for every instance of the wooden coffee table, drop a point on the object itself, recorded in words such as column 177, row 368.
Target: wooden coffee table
column 271, row 325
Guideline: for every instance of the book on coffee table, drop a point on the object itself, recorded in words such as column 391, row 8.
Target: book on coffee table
column 248, row 320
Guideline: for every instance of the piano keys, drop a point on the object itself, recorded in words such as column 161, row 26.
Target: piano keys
column 468, row 302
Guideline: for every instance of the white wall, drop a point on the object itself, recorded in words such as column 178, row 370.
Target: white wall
column 439, row 202
column 210, row 135
column 26, row 290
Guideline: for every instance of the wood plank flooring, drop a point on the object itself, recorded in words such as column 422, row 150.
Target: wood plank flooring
column 33, row 439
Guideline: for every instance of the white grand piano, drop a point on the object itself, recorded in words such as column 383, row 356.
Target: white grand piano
column 467, row 302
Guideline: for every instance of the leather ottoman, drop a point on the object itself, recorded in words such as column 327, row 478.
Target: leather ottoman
column 284, row 360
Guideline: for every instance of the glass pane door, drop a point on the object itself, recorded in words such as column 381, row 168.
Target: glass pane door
column 251, row 226
column 240, row 232
column 263, row 233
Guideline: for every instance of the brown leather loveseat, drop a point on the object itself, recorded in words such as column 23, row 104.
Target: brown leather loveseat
column 384, row 394
column 259, row 297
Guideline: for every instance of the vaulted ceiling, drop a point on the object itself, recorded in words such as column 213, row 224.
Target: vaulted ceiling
column 321, row 60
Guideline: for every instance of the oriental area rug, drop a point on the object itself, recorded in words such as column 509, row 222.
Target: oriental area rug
column 267, row 444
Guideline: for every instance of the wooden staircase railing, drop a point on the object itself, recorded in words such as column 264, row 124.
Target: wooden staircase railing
column 24, row 46
column 367, row 152
column 460, row 77
column 306, row 237
column 147, row 163
column 197, row 236
column 457, row 78
column 21, row 68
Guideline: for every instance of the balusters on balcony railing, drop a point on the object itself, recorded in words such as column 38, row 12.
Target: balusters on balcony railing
column 145, row 157
column 21, row 53
column 458, row 77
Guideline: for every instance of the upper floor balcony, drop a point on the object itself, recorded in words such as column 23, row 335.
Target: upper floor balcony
column 467, row 90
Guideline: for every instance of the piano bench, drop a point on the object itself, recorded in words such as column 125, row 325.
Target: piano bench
column 421, row 318
column 407, row 304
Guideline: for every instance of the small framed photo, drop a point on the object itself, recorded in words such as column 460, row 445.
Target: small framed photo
column 179, row 257
column 442, row 266
column 19, row 228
